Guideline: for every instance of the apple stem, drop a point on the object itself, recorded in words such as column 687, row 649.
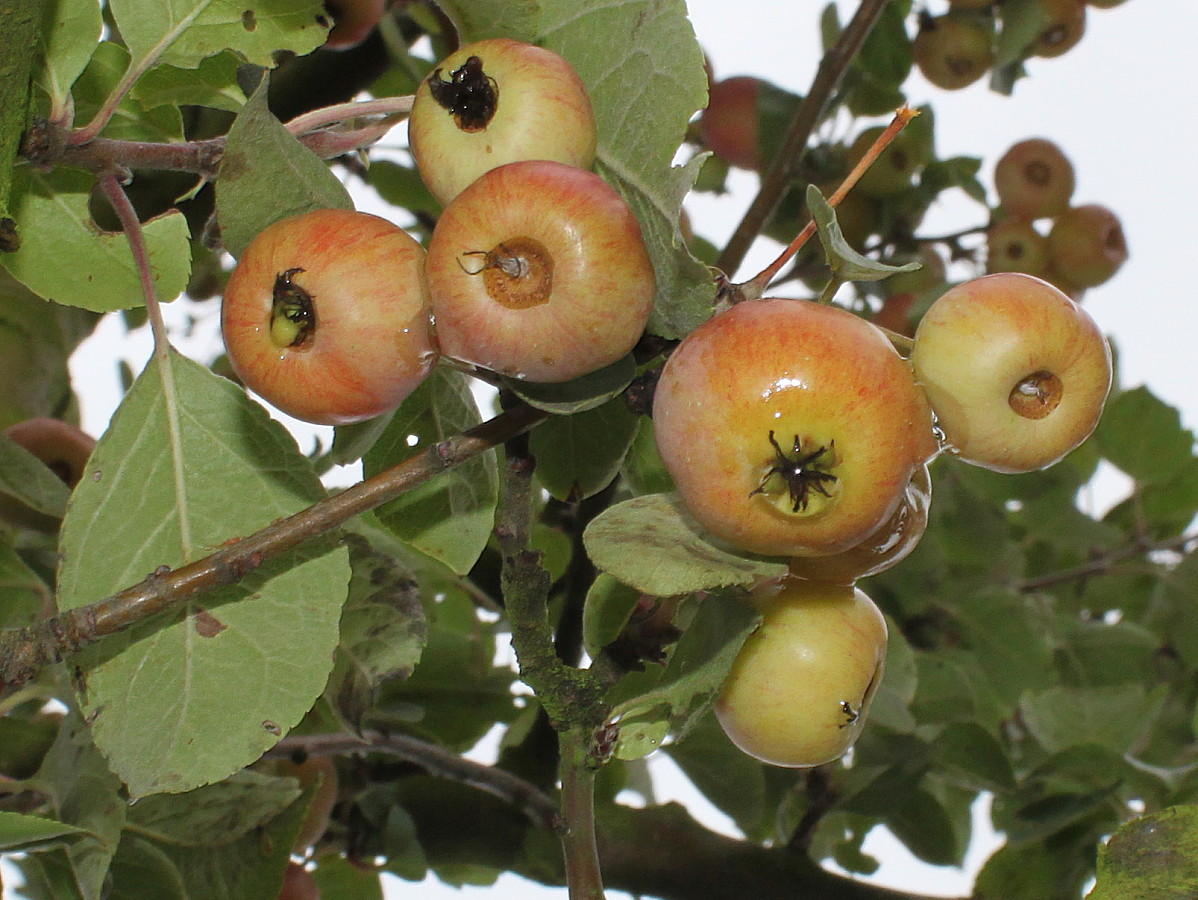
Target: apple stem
column 755, row 287
column 121, row 205
column 584, row 878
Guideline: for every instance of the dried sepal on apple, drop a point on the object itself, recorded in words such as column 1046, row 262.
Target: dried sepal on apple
column 790, row 428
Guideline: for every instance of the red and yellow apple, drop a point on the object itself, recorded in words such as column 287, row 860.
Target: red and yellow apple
column 326, row 316
column 1016, row 372
column 790, row 428
column 538, row 271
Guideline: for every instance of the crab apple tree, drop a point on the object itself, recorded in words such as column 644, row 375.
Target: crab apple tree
column 399, row 461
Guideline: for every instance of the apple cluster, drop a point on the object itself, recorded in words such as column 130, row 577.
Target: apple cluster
column 536, row 269
column 1084, row 245
column 795, row 429
column 957, row 48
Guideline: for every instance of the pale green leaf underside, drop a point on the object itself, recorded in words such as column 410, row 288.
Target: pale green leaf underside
column 70, row 29
column 57, row 227
column 648, row 543
column 183, row 32
column 21, row 832
column 189, row 462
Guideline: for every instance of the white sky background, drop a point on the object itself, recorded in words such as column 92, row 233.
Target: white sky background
column 1120, row 106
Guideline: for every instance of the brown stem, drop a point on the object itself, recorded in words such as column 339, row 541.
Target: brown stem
column 782, row 171
column 755, row 286
column 24, row 651
column 141, row 260
column 540, row 809
column 1101, row 565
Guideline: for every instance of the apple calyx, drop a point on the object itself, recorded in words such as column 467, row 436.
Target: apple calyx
column 517, row 273
column 805, row 477
column 471, row 96
column 1037, row 395
column 292, row 313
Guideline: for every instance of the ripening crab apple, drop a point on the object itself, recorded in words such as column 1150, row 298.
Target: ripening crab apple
column 1016, row 372
column 538, row 271
column 790, row 428
column 494, row 102
column 800, row 688
column 326, row 316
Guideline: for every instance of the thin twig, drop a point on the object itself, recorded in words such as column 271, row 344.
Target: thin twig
column 782, row 171
column 24, row 651
column 436, row 760
column 1102, row 565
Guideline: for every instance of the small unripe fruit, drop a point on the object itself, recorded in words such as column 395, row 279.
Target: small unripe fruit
column 1014, row 245
column 952, row 53
column 1065, row 23
column 538, row 271
column 800, row 688
column 729, row 125
column 326, row 316
column 494, row 102
column 790, row 428
column 1016, row 372
column 1034, row 179
column 894, row 169
column 1086, row 245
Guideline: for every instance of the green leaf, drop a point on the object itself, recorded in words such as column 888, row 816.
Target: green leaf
column 130, row 120
column 644, row 471
column 891, row 705
column 26, row 478
column 24, row 741
column 24, row 597
column 970, row 756
column 192, row 696
column 250, row 868
column 608, row 607
column 921, row 822
column 142, row 871
column 644, row 71
column 213, row 83
column 1143, row 436
column 649, row 544
column 215, row 814
column 731, row 779
column 449, row 517
column 382, row 632
column 1113, row 716
column 477, row 19
column 84, row 793
column 579, row 394
column 1026, row 873
column 697, row 667
column 70, row 30
column 64, row 257
column 266, row 174
column 1150, row 858
column 183, row 32
column 19, row 832
column 339, row 879
column 847, row 264
column 579, row 455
